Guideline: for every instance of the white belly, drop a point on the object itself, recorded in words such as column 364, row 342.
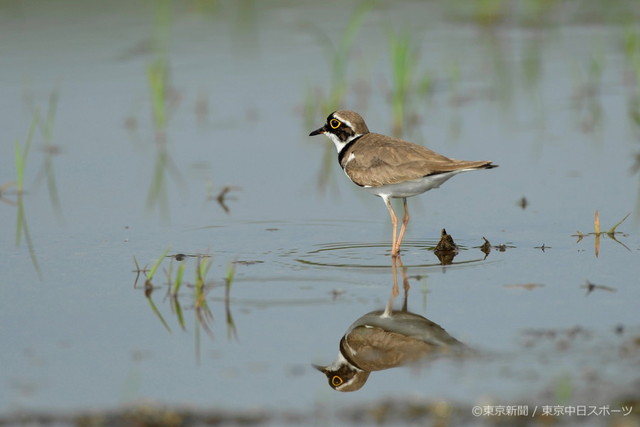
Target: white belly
column 413, row 187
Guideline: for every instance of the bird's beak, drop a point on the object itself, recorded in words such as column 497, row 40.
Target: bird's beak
column 318, row 131
column 322, row 369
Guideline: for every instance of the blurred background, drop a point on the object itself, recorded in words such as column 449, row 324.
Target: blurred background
column 172, row 239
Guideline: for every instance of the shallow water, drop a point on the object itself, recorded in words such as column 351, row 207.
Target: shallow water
column 551, row 102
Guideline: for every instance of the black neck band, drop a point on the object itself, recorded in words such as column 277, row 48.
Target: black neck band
column 344, row 150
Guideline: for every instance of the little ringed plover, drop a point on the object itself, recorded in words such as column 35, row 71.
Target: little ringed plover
column 389, row 167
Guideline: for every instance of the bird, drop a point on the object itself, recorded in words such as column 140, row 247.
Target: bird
column 384, row 339
column 389, row 167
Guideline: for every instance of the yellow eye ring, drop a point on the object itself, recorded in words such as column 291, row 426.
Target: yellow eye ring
column 336, row 381
column 335, row 124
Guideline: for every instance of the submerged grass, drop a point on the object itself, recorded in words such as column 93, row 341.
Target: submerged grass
column 22, row 228
column 200, row 287
column 47, row 172
column 157, row 196
column 407, row 86
column 178, row 281
column 631, row 47
column 587, row 92
column 162, row 104
column 156, row 265
column 228, row 282
column 157, row 79
column 317, row 102
column 403, row 64
column 597, row 233
column 22, row 153
column 340, row 57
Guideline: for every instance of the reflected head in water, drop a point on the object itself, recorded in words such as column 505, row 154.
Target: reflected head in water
column 344, row 375
column 384, row 339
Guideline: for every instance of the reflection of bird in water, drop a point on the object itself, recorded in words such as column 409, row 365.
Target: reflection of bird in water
column 384, row 339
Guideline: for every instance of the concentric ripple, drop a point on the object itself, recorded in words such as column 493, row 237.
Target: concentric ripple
column 378, row 255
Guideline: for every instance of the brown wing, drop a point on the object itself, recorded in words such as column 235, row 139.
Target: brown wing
column 377, row 160
column 377, row 349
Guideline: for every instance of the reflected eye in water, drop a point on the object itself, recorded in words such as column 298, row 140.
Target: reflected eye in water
column 336, row 381
column 335, row 124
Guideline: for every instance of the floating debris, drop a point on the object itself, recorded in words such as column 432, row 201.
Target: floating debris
column 527, row 286
column 335, row 293
column 221, row 198
column 182, row 257
column 446, row 242
column 247, row 262
column 144, row 270
column 590, row 287
column 523, row 203
column 542, row 248
column 446, row 249
column 486, row 247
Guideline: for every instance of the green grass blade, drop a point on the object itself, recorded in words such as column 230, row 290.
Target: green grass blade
column 612, row 230
column 231, row 271
column 155, row 266
column 47, row 126
column 155, row 310
column 178, row 309
column 32, row 128
column 343, row 53
column 232, row 332
column 157, row 74
column 178, row 282
column 19, row 160
column 21, row 227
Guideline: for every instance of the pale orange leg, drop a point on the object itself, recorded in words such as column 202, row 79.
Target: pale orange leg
column 394, row 221
column 405, row 221
column 394, row 289
column 405, row 281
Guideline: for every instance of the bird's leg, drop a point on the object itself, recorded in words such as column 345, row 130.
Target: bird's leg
column 394, row 289
column 405, row 220
column 405, row 282
column 394, row 221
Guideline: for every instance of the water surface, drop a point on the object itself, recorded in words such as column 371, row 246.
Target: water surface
column 552, row 100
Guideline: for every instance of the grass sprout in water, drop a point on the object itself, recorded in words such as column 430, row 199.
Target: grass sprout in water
column 587, row 92
column 611, row 233
column 22, row 229
column 163, row 102
column 316, row 102
column 47, row 171
column 200, row 287
column 404, row 61
column 339, row 59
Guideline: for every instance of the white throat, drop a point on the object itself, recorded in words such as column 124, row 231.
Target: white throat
column 338, row 143
column 340, row 362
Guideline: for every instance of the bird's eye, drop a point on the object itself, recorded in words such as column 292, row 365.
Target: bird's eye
column 335, row 124
column 336, row 380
